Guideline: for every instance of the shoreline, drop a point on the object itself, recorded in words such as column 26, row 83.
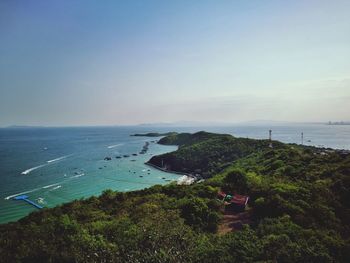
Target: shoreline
column 321, row 151
column 170, row 171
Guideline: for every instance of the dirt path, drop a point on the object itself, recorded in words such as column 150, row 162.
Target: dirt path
column 232, row 221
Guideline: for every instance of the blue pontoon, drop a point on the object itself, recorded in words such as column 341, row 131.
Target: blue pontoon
column 25, row 198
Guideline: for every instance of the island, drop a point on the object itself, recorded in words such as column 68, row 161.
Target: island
column 250, row 201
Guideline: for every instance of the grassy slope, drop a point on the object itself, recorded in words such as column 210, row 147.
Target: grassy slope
column 299, row 202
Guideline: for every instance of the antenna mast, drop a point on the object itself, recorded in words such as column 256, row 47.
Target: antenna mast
column 302, row 138
column 270, row 138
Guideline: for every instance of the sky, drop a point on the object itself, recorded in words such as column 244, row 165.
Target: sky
column 82, row 62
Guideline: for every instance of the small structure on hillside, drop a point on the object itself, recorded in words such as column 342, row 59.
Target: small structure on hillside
column 270, row 139
column 235, row 202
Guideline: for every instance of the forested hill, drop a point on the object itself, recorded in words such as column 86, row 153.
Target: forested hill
column 207, row 153
column 299, row 211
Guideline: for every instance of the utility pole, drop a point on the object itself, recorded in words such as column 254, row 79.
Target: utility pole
column 270, row 138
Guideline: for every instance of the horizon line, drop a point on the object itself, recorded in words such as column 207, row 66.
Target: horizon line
column 174, row 124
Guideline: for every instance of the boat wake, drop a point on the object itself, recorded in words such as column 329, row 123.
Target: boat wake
column 54, row 187
column 58, row 159
column 78, row 175
column 50, row 185
column 113, row 146
column 48, row 162
column 31, row 191
column 32, row 169
column 22, row 193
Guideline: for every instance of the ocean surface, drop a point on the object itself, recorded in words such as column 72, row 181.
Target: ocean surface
column 56, row 165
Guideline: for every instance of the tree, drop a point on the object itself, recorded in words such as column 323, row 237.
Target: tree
column 236, row 180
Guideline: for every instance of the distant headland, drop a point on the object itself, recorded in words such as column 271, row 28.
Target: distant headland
column 154, row 134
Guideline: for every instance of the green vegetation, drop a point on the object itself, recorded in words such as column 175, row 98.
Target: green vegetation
column 207, row 153
column 299, row 206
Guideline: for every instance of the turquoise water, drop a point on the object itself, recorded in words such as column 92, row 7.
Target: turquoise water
column 57, row 165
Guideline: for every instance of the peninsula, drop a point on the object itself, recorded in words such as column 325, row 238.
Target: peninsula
column 154, row 134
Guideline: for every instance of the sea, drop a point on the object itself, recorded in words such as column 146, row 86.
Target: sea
column 53, row 166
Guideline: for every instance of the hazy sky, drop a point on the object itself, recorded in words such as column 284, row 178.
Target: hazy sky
column 125, row 62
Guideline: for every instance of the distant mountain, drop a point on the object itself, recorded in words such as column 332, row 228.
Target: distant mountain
column 218, row 123
column 187, row 124
column 273, row 122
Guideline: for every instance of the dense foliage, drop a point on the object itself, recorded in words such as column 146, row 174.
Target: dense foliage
column 206, row 153
column 299, row 207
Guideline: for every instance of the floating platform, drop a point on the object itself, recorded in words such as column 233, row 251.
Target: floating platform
column 25, row 199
